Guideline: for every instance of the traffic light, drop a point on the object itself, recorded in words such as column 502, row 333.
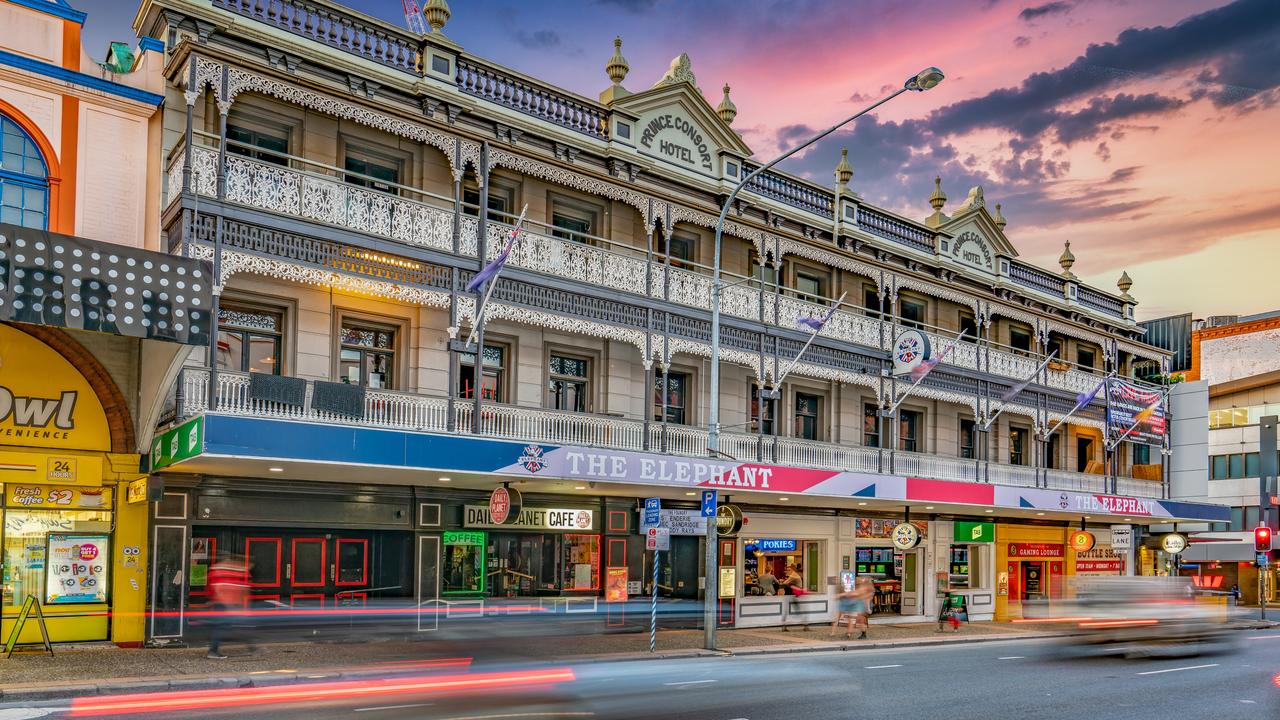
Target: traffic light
column 1262, row 539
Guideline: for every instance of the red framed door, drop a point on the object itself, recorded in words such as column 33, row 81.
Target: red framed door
column 307, row 571
column 262, row 558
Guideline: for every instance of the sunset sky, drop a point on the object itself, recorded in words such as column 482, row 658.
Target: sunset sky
column 1143, row 131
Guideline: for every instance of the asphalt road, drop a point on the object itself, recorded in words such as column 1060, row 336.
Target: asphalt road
column 1009, row 679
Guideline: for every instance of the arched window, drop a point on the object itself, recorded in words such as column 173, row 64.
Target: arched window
column 24, row 178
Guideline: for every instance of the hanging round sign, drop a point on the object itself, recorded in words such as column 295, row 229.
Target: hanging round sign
column 909, row 350
column 1173, row 543
column 905, row 536
column 1082, row 541
column 504, row 505
column 728, row 520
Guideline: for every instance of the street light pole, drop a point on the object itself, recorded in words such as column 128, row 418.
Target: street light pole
column 921, row 81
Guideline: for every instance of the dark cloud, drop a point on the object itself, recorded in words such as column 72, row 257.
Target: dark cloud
column 635, row 6
column 1123, row 175
column 1092, row 121
column 538, row 39
column 1059, row 7
column 1021, row 41
column 1103, row 151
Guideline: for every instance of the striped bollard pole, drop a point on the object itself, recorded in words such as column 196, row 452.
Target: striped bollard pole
column 653, row 611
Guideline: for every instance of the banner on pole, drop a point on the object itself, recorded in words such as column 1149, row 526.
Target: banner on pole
column 1137, row 411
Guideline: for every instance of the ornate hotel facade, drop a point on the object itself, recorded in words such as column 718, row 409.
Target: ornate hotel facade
column 347, row 179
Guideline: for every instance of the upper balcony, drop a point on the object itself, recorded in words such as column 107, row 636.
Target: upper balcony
column 423, row 413
column 300, row 189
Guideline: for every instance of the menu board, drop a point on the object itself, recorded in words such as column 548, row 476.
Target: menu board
column 76, row 568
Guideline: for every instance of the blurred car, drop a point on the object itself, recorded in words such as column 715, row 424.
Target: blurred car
column 1143, row 617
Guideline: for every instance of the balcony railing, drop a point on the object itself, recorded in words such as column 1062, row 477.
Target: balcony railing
column 424, row 220
column 790, row 191
column 891, row 228
column 542, row 102
column 336, row 27
column 409, row 411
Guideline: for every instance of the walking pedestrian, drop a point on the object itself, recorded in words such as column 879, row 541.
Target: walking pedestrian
column 1235, row 594
column 864, row 592
column 228, row 592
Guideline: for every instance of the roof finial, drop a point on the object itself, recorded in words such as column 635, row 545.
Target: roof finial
column 617, row 66
column 1124, row 283
column 938, row 198
column 999, row 218
column 844, row 171
column 1066, row 260
column 726, row 109
column 437, row 12
column 681, row 70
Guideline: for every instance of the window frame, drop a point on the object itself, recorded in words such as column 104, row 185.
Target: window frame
column 574, row 208
column 1081, row 351
column 373, row 154
column 771, row 412
column 871, row 410
column 21, row 179
column 916, row 441
column 237, row 305
column 500, row 373
column 1021, row 330
column 586, row 380
column 392, row 374
column 923, row 305
column 1022, row 433
column 685, row 408
column 814, row 417
column 501, row 189
column 971, row 437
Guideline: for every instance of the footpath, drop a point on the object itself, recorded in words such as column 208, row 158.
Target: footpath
column 102, row 669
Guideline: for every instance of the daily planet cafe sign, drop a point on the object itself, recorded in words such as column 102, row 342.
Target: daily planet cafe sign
column 579, row 463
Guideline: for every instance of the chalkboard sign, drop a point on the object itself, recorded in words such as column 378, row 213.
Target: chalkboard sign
column 30, row 604
column 955, row 610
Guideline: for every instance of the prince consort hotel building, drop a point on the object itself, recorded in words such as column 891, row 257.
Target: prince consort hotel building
column 347, row 179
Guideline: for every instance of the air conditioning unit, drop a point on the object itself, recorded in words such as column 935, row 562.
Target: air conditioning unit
column 1214, row 321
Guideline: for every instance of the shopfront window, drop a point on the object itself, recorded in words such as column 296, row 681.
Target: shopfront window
column 59, row 556
column 463, row 562
column 580, row 565
column 963, row 567
column 774, row 558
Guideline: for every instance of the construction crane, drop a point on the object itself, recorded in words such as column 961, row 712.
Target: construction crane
column 413, row 17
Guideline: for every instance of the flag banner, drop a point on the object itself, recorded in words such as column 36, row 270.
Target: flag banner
column 1141, row 409
column 490, row 271
column 817, row 323
column 1084, row 398
column 918, row 372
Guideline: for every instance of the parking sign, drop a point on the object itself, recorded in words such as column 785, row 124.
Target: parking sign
column 708, row 503
column 652, row 513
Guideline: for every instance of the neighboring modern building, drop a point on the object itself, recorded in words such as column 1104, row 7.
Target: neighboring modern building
column 89, row 316
column 348, row 179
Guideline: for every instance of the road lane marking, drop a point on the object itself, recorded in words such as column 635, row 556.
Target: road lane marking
column 879, row 667
column 393, row 707
column 689, row 682
column 1264, row 637
column 1013, row 657
column 1190, row 667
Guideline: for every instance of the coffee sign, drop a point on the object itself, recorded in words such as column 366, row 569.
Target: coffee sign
column 478, row 516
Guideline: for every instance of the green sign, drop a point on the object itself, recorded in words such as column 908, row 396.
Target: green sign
column 463, row 537
column 974, row 532
column 179, row 443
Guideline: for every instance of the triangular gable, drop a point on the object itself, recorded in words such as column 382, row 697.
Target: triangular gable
column 677, row 126
column 976, row 240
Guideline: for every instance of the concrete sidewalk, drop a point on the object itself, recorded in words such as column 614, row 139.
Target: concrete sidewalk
column 102, row 669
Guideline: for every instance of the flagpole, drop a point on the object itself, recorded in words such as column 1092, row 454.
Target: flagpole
column 987, row 425
column 1074, row 410
column 493, row 281
column 777, row 383
column 913, row 385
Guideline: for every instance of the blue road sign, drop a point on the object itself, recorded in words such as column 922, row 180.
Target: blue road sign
column 708, row 503
column 652, row 512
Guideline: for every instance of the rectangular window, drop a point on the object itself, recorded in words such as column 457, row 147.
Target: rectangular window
column 1018, row 446
column 909, row 425
column 249, row 339
column 912, row 312
column 493, row 385
column 769, row 409
column 1251, row 517
column 961, row 566
column 871, row 301
column 501, row 200
column 1084, row 453
column 371, row 170
column 1020, row 339
column 1252, row 468
column 464, row 565
column 367, row 355
column 1219, row 467
column 807, row 408
column 580, row 569
column 1052, row 451
column 968, row 439
column 1237, row 519
column 569, row 384
column 573, row 222
column 676, row 386
column 1141, row 454
column 1236, row 464
column 1085, row 357
column 681, row 247
column 1054, row 347
column 811, row 285
column 969, row 327
column 258, row 143
column 871, row 425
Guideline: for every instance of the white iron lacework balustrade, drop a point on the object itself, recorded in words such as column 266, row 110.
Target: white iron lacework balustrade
column 204, row 171
column 173, row 177
column 324, row 200
column 963, row 354
column 740, row 301
column 689, row 288
column 262, row 185
column 369, row 211
column 1010, row 365
column 1076, row 381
